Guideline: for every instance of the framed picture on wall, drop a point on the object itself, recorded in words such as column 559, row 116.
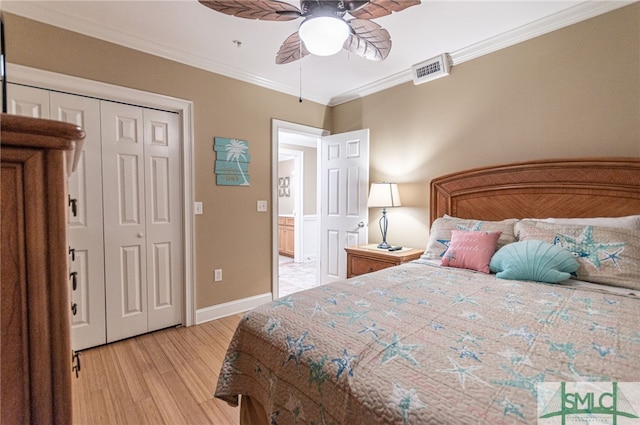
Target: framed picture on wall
column 283, row 187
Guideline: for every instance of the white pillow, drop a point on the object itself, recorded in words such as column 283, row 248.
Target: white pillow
column 627, row 222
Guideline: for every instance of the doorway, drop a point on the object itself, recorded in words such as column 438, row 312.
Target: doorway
column 342, row 180
column 295, row 202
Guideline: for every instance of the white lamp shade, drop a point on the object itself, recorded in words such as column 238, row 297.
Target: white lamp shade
column 384, row 195
column 324, row 35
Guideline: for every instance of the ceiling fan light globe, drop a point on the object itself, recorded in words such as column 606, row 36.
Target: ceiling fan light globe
column 324, row 35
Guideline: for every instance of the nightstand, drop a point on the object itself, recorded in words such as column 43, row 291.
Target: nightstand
column 368, row 258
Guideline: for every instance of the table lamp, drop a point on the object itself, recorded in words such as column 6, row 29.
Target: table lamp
column 384, row 195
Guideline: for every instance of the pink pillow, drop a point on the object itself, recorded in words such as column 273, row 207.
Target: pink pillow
column 470, row 250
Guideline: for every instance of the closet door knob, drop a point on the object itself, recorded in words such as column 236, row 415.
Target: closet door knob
column 140, row 235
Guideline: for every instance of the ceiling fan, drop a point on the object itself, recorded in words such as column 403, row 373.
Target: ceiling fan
column 328, row 25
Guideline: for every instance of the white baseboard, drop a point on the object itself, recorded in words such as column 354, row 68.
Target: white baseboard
column 233, row 307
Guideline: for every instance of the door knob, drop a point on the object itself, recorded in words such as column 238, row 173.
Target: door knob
column 140, row 235
column 361, row 224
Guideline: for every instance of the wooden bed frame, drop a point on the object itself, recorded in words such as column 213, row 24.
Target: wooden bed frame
column 587, row 187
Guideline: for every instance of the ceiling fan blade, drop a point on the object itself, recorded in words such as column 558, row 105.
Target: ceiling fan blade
column 377, row 8
column 291, row 50
column 368, row 40
column 266, row 10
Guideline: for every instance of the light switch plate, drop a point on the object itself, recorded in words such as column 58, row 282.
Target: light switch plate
column 197, row 207
column 262, row 206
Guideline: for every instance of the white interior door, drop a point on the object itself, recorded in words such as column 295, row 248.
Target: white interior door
column 344, row 215
column 86, row 227
column 163, row 218
column 124, row 220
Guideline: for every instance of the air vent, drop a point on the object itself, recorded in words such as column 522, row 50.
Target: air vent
column 431, row 69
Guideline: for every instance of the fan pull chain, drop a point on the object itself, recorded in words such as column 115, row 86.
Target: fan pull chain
column 300, row 69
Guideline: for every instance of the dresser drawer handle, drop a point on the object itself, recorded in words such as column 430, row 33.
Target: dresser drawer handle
column 73, row 203
column 74, row 308
column 72, row 253
column 74, row 280
column 76, row 362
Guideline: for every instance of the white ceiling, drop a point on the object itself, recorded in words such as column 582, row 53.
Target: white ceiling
column 188, row 32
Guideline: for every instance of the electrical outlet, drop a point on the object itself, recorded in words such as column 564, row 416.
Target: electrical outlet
column 217, row 275
column 197, row 208
column 262, row 206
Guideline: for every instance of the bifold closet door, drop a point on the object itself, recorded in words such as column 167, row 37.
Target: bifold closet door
column 124, row 220
column 163, row 218
column 140, row 156
column 127, row 234
column 86, row 256
column 86, row 227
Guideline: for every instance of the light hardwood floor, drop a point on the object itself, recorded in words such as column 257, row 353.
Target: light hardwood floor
column 165, row 377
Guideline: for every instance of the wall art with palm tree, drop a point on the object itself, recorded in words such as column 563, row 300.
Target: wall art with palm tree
column 232, row 161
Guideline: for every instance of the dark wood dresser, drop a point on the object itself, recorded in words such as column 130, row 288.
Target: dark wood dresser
column 35, row 282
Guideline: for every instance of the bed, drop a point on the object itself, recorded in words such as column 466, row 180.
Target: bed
column 422, row 343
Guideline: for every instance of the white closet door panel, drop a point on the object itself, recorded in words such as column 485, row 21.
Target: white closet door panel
column 131, row 281
column 86, row 228
column 124, row 220
column 128, row 189
column 163, row 218
column 27, row 101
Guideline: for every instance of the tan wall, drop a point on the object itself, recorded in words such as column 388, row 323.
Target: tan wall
column 230, row 234
column 571, row 93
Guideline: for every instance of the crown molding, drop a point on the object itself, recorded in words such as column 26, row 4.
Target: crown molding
column 573, row 15
column 565, row 18
column 374, row 87
column 40, row 12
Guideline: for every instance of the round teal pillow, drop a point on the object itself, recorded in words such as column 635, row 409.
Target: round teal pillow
column 533, row 260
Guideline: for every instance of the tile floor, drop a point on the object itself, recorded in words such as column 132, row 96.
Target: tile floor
column 296, row 277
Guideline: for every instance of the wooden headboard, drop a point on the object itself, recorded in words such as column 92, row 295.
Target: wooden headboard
column 588, row 187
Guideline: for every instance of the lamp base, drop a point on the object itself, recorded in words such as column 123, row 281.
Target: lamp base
column 384, row 245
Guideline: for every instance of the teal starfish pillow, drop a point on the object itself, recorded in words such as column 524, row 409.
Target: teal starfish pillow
column 533, row 260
